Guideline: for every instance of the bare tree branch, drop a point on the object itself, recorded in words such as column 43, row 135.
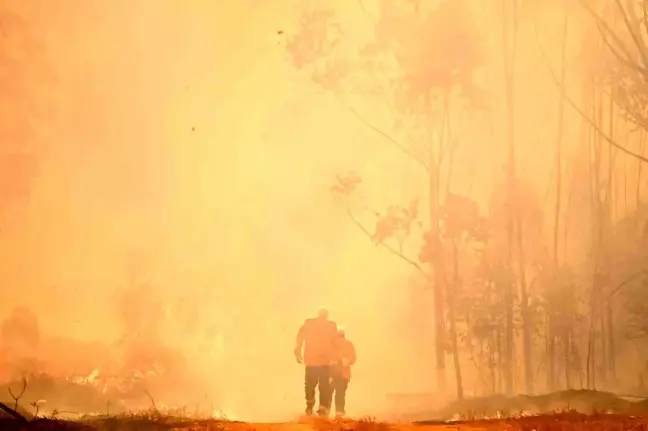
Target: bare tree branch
column 600, row 131
column 632, row 117
column 625, row 59
column 19, row 396
column 635, row 336
column 639, row 42
column 606, row 32
column 393, row 141
column 626, row 282
column 366, row 12
column 387, row 246
column 592, row 123
column 644, row 9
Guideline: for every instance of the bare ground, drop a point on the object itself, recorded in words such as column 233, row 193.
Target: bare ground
column 555, row 422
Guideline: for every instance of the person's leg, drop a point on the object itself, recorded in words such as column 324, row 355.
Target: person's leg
column 332, row 389
column 325, row 390
column 341, row 385
column 310, row 382
column 335, row 393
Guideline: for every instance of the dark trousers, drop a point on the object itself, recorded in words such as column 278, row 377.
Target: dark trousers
column 318, row 376
column 340, row 385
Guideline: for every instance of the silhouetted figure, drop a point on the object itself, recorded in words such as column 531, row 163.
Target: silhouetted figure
column 345, row 356
column 317, row 337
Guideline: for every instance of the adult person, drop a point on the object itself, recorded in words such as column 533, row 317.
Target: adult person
column 316, row 337
column 345, row 357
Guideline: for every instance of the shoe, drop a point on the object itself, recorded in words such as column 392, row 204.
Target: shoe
column 339, row 415
column 323, row 411
column 308, row 411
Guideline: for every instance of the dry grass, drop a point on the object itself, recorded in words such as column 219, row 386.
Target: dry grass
column 363, row 424
column 570, row 421
column 567, row 421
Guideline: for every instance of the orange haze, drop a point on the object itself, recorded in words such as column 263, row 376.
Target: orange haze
column 176, row 131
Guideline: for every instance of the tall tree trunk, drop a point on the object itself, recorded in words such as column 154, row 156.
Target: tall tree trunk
column 642, row 147
column 492, row 348
column 611, row 159
column 567, row 342
column 452, row 311
column 551, row 354
column 570, row 193
column 509, row 42
column 527, row 320
column 596, row 243
column 452, row 296
column 604, row 229
column 625, row 188
column 611, row 341
column 437, row 265
column 500, row 358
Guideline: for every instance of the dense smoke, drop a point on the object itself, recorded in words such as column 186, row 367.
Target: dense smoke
column 173, row 205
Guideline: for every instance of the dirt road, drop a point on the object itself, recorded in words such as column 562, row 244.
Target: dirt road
column 319, row 425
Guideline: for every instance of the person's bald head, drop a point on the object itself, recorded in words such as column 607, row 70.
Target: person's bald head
column 322, row 313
